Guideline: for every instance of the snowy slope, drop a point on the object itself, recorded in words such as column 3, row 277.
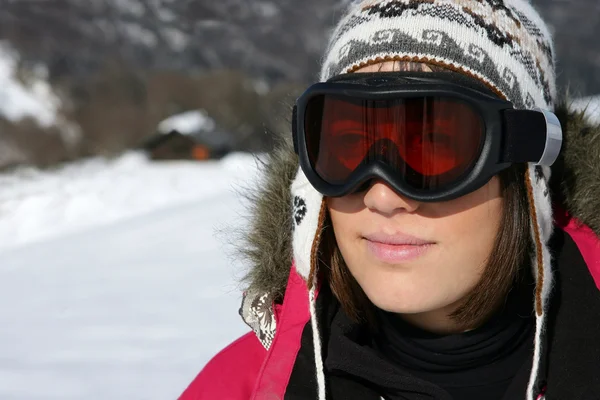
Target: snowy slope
column 130, row 301
column 35, row 205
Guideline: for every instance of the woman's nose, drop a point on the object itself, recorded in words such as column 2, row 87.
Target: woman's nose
column 382, row 198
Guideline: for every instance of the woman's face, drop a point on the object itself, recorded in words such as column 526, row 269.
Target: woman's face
column 424, row 282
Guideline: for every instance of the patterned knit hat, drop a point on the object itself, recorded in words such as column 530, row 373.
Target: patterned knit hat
column 505, row 44
column 502, row 43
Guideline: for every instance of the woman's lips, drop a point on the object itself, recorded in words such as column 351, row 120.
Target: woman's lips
column 396, row 248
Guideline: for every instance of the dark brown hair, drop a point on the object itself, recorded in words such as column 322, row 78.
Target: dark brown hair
column 504, row 268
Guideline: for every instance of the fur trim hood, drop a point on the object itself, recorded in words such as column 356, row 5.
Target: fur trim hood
column 267, row 245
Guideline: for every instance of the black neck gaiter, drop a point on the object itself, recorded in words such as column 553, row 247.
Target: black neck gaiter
column 478, row 362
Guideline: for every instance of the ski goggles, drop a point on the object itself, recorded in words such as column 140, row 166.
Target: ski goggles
column 430, row 136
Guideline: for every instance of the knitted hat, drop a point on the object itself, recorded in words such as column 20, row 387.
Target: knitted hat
column 503, row 44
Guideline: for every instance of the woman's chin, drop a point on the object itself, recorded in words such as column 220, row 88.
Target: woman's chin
column 403, row 304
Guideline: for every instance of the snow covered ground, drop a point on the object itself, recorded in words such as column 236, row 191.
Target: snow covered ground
column 113, row 282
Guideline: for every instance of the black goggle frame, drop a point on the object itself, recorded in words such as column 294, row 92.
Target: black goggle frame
column 510, row 135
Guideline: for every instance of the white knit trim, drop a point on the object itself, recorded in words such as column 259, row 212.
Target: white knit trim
column 540, row 322
column 320, row 372
column 307, row 206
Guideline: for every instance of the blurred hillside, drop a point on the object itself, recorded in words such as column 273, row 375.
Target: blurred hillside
column 119, row 67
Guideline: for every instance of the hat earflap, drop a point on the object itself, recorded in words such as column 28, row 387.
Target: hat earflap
column 541, row 222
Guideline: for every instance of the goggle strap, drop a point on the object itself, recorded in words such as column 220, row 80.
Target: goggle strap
column 525, row 136
column 295, row 128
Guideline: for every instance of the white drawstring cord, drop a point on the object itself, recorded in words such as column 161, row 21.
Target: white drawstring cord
column 539, row 326
column 317, row 345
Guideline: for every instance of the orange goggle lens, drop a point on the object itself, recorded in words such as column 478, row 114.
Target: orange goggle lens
column 429, row 141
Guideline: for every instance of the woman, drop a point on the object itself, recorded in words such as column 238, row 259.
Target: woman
column 421, row 250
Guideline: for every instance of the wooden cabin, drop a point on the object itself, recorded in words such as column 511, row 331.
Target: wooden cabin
column 177, row 146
